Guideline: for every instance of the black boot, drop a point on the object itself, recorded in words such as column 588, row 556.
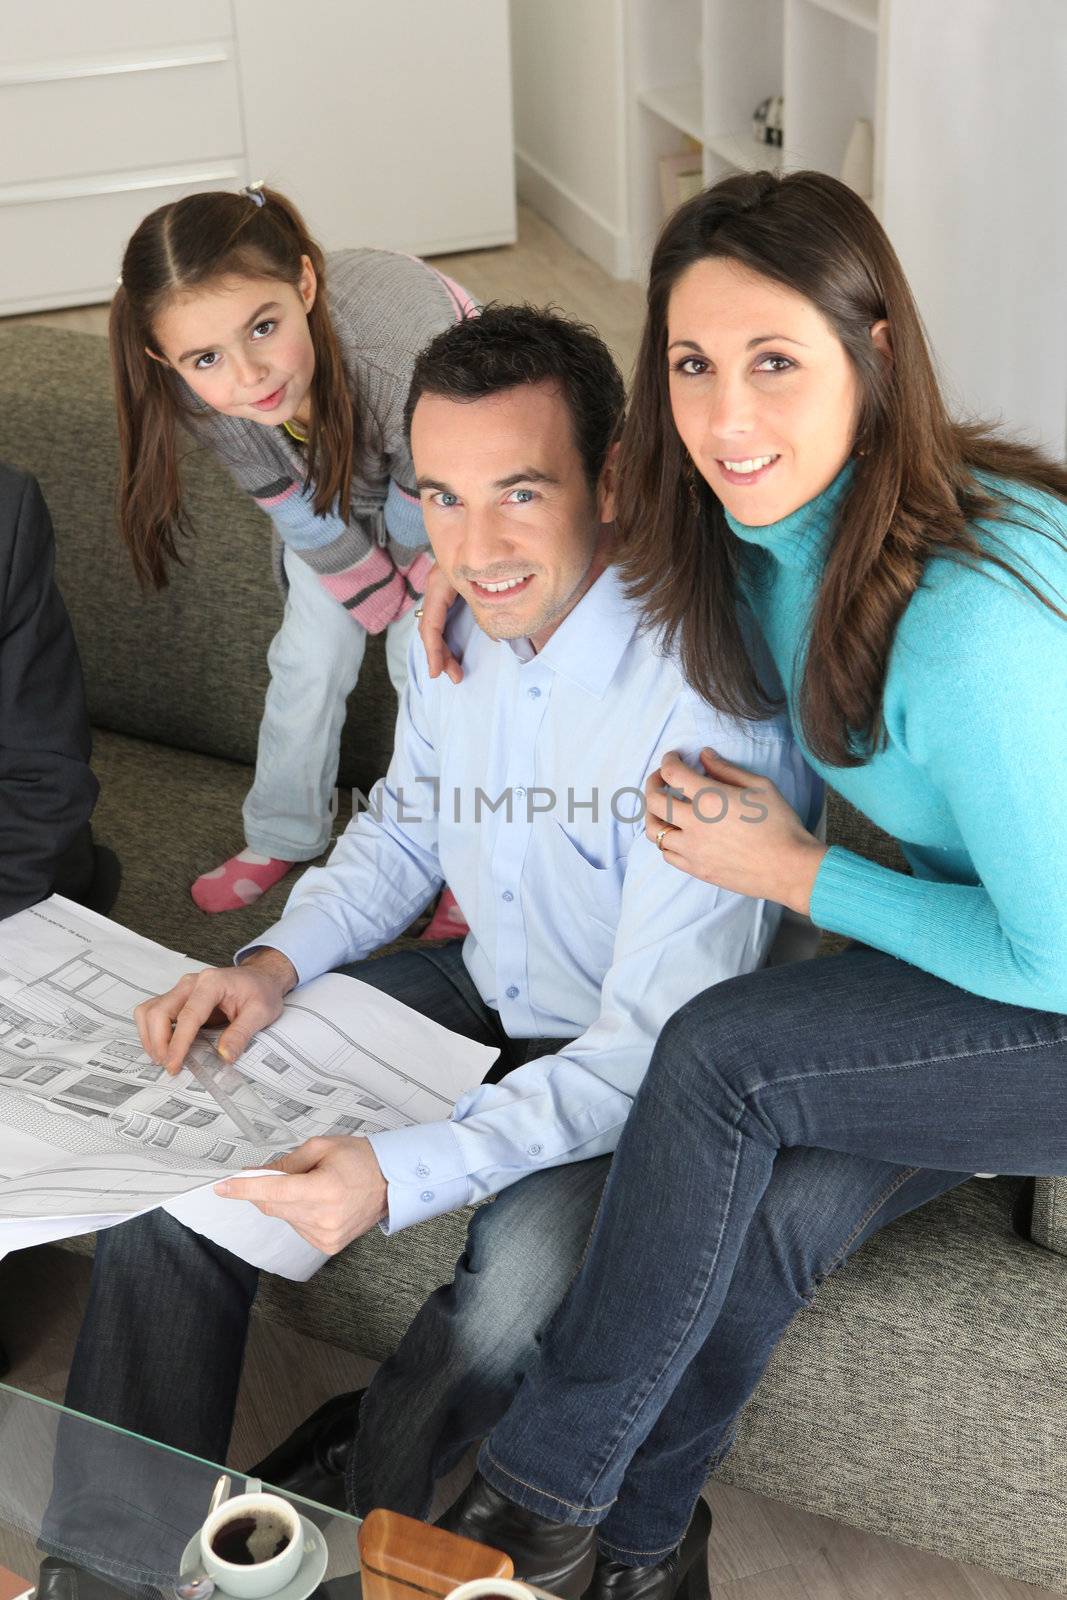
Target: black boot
column 552, row 1555
column 312, row 1461
column 62, row 1580
column 684, row 1573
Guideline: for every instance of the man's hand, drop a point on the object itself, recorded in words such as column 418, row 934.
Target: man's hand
column 333, row 1192
column 248, row 997
column 435, row 603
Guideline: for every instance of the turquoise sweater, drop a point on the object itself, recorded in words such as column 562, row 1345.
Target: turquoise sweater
column 973, row 779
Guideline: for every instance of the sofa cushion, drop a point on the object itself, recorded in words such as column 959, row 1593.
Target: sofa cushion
column 169, row 814
column 1048, row 1222
column 922, row 1393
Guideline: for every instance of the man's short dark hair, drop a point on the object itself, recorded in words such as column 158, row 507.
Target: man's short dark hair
column 511, row 345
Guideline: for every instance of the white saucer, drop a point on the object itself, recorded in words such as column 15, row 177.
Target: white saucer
column 309, row 1574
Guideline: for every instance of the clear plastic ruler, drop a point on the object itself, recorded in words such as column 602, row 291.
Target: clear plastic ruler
column 237, row 1096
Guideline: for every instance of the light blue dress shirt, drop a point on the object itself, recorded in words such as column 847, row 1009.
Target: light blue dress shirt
column 521, row 788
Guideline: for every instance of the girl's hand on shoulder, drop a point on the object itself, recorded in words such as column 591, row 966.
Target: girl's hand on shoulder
column 732, row 827
column 435, row 603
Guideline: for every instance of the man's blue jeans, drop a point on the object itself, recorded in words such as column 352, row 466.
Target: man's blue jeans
column 786, row 1116
column 162, row 1343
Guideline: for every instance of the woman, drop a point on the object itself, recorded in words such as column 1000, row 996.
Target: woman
column 788, row 459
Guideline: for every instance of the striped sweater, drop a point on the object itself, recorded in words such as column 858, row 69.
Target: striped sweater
column 384, row 308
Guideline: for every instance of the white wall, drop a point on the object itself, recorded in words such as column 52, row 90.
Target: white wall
column 390, row 123
column 570, row 121
column 975, row 152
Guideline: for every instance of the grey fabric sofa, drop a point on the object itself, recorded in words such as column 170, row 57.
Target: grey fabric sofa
column 922, row 1393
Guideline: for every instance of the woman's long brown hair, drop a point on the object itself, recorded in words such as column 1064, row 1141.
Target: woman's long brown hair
column 913, row 494
column 177, row 249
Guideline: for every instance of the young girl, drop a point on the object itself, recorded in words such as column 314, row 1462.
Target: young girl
column 294, row 369
column 788, row 454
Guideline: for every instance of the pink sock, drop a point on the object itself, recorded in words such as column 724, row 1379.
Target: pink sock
column 238, row 881
column 448, row 921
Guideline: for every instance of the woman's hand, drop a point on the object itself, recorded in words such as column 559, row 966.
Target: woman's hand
column 732, row 828
column 434, row 604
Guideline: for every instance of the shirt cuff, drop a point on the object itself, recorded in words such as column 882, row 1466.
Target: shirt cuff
column 424, row 1171
column 312, row 941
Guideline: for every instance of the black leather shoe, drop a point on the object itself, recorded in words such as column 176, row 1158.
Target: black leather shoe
column 682, row 1574
column 62, row 1580
column 312, row 1461
column 552, row 1555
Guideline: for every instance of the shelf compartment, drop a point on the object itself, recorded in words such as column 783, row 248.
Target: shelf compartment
column 742, row 151
column 680, row 104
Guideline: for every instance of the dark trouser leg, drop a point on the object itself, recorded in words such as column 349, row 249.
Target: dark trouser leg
column 163, row 1338
column 159, row 1354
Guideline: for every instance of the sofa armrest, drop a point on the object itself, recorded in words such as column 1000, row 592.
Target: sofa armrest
column 1048, row 1224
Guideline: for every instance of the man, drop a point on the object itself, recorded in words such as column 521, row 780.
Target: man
column 47, row 791
column 522, row 787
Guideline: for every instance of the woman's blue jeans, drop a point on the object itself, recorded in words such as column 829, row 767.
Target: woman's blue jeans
column 786, row 1116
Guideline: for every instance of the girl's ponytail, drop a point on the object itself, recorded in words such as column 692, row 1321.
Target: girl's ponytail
column 336, row 436
column 150, row 514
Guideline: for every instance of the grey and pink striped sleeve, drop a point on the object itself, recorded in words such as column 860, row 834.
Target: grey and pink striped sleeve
column 359, row 562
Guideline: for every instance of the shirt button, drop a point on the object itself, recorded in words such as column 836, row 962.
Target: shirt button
column 535, row 1149
column 508, row 896
column 520, row 794
column 427, row 1194
column 511, row 992
column 422, row 1171
column 534, row 694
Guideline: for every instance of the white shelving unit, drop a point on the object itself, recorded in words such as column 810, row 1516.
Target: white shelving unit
column 699, row 68
column 964, row 104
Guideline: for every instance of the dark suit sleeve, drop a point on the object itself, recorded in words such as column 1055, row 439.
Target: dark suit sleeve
column 47, row 791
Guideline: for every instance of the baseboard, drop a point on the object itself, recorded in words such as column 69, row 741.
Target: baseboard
column 579, row 224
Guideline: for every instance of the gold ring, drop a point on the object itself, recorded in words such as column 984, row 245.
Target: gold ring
column 660, row 837
column 418, row 613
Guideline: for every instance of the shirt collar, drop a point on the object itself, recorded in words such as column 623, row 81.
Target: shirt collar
column 591, row 640
column 801, row 538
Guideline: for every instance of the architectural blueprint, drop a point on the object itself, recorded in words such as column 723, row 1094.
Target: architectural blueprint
column 92, row 1131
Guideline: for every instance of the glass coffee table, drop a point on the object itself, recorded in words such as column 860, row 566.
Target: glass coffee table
column 123, row 1507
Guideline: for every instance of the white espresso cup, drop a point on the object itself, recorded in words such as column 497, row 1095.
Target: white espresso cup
column 259, row 1521
column 506, row 1588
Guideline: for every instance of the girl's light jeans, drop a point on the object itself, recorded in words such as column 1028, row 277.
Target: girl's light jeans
column 314, row 661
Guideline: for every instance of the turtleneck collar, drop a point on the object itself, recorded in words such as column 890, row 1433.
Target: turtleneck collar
column 801, row 538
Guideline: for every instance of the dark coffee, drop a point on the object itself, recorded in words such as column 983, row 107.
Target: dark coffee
column 251, row 1538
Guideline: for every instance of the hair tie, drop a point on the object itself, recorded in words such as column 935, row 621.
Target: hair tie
column 254, row 192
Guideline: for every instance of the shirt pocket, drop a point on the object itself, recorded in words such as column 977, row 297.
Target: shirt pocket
column 589, row 891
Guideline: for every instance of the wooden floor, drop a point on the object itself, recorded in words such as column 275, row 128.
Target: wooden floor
column 761, row 1549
